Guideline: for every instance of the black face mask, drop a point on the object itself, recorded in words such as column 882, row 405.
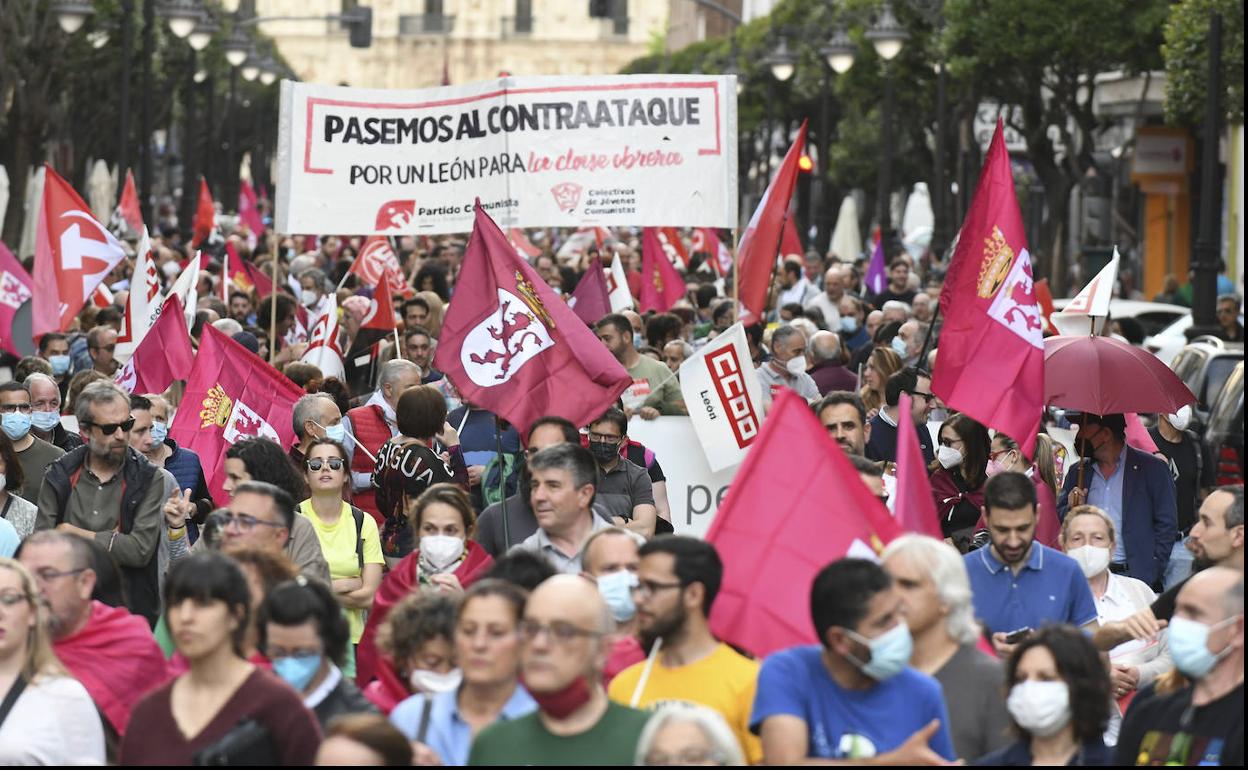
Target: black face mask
column 604, row 451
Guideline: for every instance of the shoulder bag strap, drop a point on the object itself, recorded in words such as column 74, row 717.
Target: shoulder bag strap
column 10, row 700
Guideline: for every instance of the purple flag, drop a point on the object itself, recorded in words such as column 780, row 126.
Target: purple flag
column 589, row 300
column 877, row 271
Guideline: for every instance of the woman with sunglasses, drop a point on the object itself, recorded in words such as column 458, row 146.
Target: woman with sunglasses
column 348, row 536
column 50, row 719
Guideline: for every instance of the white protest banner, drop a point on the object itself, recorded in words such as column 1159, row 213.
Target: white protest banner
column 538, row 151
column 694, row 491
column 724, row 397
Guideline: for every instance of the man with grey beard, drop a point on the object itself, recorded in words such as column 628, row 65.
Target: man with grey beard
column 108, row 492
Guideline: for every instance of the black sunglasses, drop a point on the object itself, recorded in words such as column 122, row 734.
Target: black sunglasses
column 110, row 428
column 335, row 463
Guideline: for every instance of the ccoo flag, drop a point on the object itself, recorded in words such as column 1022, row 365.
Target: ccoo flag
column 797, row 504
column 231, row 395
column 511, row 345
column 722, row 378
column 991, row 361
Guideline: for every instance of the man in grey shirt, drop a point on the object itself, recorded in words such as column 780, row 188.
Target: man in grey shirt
column 624, row 489
column 937, row 595
column 787, row 367
column 563, row 479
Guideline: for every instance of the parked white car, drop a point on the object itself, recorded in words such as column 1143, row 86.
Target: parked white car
column 1167, row 343
column 1152, row 317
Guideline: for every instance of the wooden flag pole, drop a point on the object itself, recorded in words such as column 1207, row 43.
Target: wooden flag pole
column 273, row 308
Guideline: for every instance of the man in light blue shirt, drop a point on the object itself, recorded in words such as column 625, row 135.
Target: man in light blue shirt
column 1106, row 493
column 447, row 733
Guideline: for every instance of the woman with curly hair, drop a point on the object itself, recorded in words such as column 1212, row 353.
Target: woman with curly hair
column 1058, row 699
column 417, row 650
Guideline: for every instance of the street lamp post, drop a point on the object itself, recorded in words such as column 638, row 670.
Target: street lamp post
column 941, row 192
column 888, row 37
column 1205, row 262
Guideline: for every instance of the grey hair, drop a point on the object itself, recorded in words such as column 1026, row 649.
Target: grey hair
column 725, row 749
column 98, row 392
column 574, row 459
column 782, row 333
column 304, row 409
column 317, row 275
column 34, row 377
column 393, row 369
column 896, row 304
column 1235, row 513
column 805, row 326
column 686, row 349
column 824, row 346
column 81, row 556
column 227, row 326
column 944, row 566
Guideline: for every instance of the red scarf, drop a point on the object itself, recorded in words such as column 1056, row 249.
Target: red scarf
column 116, row 658
column 398, row 584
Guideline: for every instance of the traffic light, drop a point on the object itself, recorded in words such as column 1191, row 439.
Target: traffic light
column 805, row 164
column 361, row 21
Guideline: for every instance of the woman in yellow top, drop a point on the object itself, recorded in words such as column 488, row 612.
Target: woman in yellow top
column 349, row 537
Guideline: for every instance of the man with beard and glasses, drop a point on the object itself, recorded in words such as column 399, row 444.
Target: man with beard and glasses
column 108, row 492
column 564, row 644
column 1217, row 540
column 1018, row 584
column 677, row 581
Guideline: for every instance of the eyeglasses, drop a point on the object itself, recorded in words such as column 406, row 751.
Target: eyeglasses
column 647, row 588
column 562, row 633
column 12, row 599
column 335, row 463
column 246, row 522
column 47, row 575
column 998, row 453
column 11, row 408
column 603, row 437
column 920, row 394
column 109, row 428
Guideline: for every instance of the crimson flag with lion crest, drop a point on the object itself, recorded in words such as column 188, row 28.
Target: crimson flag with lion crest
column 991, row 359
column 511, row 345
column 232, row 395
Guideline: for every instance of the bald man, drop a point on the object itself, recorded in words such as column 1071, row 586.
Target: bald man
column 564, row 643
column 1206, row 639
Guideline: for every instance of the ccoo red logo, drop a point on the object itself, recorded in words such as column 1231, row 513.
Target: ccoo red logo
column 726, row 373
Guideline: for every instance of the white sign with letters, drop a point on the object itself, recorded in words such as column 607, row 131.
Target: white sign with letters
column 694, row 491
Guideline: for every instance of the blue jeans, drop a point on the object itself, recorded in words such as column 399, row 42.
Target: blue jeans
column 1180, row 565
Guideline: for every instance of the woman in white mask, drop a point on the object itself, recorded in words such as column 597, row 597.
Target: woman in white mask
column 1088, row 537
column 487, row 647
column 445, row 561
column 1058, row 699
column 958, row 476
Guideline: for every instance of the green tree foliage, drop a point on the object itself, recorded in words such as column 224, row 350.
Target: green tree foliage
column 1186, row 52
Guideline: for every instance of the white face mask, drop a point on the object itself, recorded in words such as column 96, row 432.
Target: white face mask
column 796, row 365
column 1180, row 419
column 1092, row 559
column 308, row 298
column 948, row 457
column 440, row 551
column 423, row 680
column 1040, row 708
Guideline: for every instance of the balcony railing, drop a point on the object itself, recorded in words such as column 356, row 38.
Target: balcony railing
column 517, row 26
column 426, row 24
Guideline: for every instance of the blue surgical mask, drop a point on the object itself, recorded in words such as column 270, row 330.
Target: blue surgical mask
column 60, row 364
column 336, row 432
column 160, row 432
column 1189, row 646
column 16, row 425
column 297, row 670
column 638, row 342
column 890, row 652
column 899, row 347
column 617, row 591
column 44, row 421
column 849, row 324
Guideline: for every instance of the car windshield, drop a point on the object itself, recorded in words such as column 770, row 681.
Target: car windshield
column 1230, row 401
column 1219, row 370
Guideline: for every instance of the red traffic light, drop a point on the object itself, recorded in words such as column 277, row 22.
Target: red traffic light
column 805, row 164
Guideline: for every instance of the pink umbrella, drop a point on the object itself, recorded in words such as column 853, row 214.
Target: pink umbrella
column 1102, row 375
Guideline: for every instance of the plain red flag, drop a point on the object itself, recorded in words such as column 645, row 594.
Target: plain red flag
column 761, row 239
column 590, row 299
column 164, row 355
column 790, row 243
column 511, row 345
column 797, row 505
column 915, row 507
column 524, row 247
column 249, row 209
column 205, row 215
column 231, row 395
column 14, row 290
column 74, row 253
column 991, row 359
column 661, row 285
column 128, row 206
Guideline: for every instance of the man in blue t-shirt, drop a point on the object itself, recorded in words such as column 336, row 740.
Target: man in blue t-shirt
column 1018, row 584
column 854, row 697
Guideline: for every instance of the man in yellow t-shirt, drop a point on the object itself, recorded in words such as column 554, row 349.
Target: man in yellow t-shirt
column 676, row 583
